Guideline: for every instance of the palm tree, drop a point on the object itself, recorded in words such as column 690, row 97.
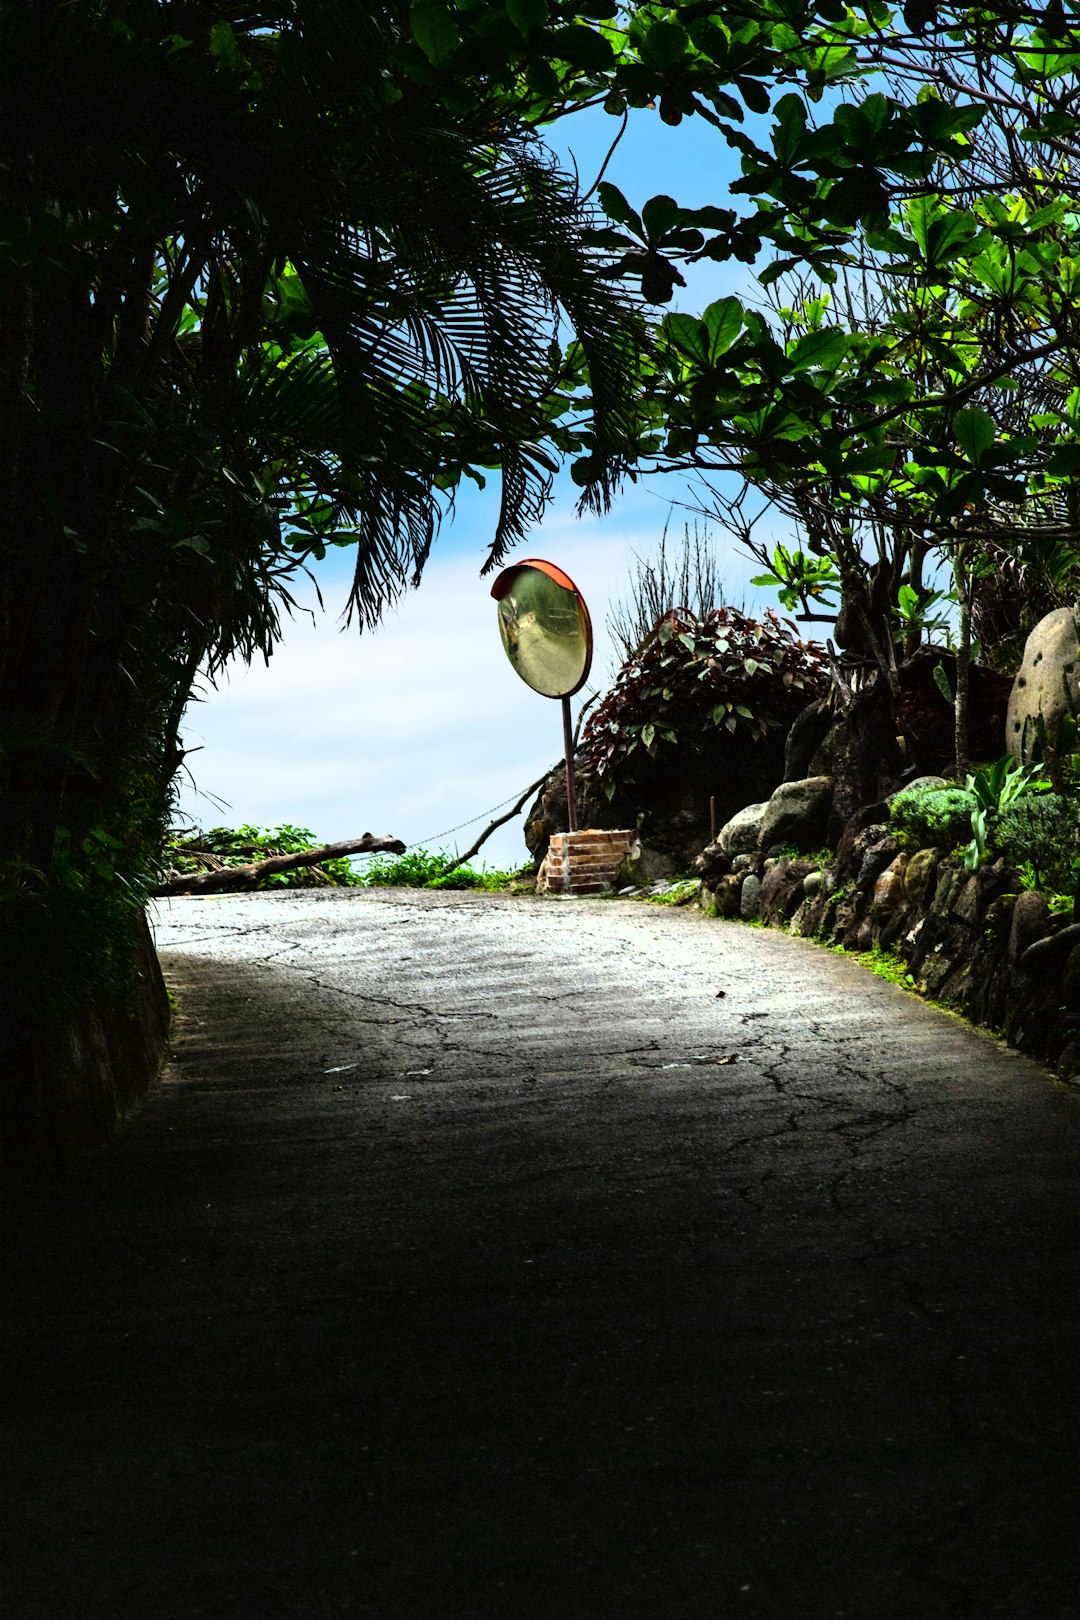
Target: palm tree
column 273, row 280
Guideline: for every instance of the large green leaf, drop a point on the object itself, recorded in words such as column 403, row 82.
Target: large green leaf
column 823, row 349
column 975, row 432
column 435, row 30
column 723, row 322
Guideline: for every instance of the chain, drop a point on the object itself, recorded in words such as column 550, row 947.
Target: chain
column 430, row 839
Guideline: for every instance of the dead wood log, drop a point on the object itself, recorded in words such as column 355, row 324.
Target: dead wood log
column 228, row 878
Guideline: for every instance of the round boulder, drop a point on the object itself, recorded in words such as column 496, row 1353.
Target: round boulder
column 1047, row 685
column 798, row 814
column 739, row 836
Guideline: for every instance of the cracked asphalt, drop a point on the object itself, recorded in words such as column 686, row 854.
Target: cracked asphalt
column 478, row 1259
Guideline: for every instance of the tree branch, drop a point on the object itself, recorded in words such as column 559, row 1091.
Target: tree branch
column 493, row 825
column 246, row 877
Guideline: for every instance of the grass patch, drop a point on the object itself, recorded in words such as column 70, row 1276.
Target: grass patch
column 425, row 869
column 682, row 890
column 886, row 964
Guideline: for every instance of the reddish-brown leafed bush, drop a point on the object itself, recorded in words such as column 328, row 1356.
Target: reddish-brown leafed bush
column 692, row 678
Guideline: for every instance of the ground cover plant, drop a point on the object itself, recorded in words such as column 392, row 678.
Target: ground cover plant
column 434, row 869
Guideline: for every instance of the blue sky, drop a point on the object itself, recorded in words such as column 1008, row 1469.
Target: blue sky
column 421, row 725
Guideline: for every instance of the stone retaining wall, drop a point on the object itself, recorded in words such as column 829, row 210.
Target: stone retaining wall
column 584, row 862
column 975, row 941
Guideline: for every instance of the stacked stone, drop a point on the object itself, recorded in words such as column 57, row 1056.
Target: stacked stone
column 585, row 862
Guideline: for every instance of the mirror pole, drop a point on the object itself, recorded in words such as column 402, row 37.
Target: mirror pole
column 568, row 748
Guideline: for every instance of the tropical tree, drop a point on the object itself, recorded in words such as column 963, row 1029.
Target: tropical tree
column 915, row 397
column 272, row 280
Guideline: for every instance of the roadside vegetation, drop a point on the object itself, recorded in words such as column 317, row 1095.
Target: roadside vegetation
column 1004, row 811
column 276, row 283
column 190, row 851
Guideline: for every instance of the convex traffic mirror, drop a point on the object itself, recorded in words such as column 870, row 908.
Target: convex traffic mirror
column 547, row 636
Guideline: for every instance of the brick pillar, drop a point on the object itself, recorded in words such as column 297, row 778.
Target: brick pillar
column 583, row 862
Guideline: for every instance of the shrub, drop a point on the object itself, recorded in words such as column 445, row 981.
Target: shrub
column 1042, row 832
column 424, row 869
column 722, row 672
column 921, row 817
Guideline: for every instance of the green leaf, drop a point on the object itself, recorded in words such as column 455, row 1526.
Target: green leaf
column 941, row 681
column 617, row 208
column 975, row 432
column 689, row 335
column 723, row 322
column 753, row 93
column 434, row 28
column 527, row 15
column 658, row 216
column 823, row 349
column 664, row 44
column 648, row 733
column 1064, row 461
column 582, row 47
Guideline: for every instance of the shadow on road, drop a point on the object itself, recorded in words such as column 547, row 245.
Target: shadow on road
column 448, row 1275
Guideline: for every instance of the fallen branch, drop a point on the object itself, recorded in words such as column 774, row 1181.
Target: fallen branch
column 246, row 877
column 492, row 826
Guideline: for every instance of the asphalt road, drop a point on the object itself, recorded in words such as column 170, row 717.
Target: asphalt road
column 477, row 1260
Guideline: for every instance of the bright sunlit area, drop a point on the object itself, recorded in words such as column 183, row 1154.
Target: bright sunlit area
column 421, row 729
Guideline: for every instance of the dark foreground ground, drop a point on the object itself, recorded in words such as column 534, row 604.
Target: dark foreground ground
column 453, row 1274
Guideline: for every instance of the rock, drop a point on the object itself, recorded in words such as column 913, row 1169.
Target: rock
column 919, row 874
column 713, row 862
column 727, row 895
column 812, row 883
column 1070, row 981
column 740, row 835
column 877, row 857
column 808, row 731
column 798, row 814
column 1047, row 955
column 872, row 820
column 750, row 898
column 919, row 782
column 1030, row 917
column 971, row 897
column 889, row 892
column 998, row 919
column 782, row 888
column 747, row 863
column 1047, row 685
column 950, row 881
column 645, row 865
column 860, row 753
column 925, row 941
column 959, row 988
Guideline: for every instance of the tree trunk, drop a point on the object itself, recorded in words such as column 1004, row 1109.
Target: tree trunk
column 961, row 697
